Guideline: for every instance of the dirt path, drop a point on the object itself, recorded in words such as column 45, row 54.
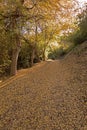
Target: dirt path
column 50, row 96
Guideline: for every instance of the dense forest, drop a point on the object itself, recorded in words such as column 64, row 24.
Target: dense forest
column 36, row 30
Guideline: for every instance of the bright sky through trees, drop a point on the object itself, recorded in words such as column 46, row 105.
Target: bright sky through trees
column 81, row 2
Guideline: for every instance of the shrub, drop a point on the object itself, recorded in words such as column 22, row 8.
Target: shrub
column 56, row 53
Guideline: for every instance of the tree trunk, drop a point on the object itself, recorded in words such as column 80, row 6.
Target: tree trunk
column 44, row 56
column 37, row 54
column 32, row 57
column 15, row 53
column 36, row 41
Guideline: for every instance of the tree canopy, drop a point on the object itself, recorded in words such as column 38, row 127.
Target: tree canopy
column 29, row 27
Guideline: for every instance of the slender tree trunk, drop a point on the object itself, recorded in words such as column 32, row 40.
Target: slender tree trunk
column 44, row 56
column 32, row 57
column 37, row 54
column 36, row 41
column 15, row 54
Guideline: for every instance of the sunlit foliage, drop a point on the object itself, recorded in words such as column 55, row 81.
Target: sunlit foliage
column 35, row 22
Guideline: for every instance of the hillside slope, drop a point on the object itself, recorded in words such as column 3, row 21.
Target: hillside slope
column 50, row 96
